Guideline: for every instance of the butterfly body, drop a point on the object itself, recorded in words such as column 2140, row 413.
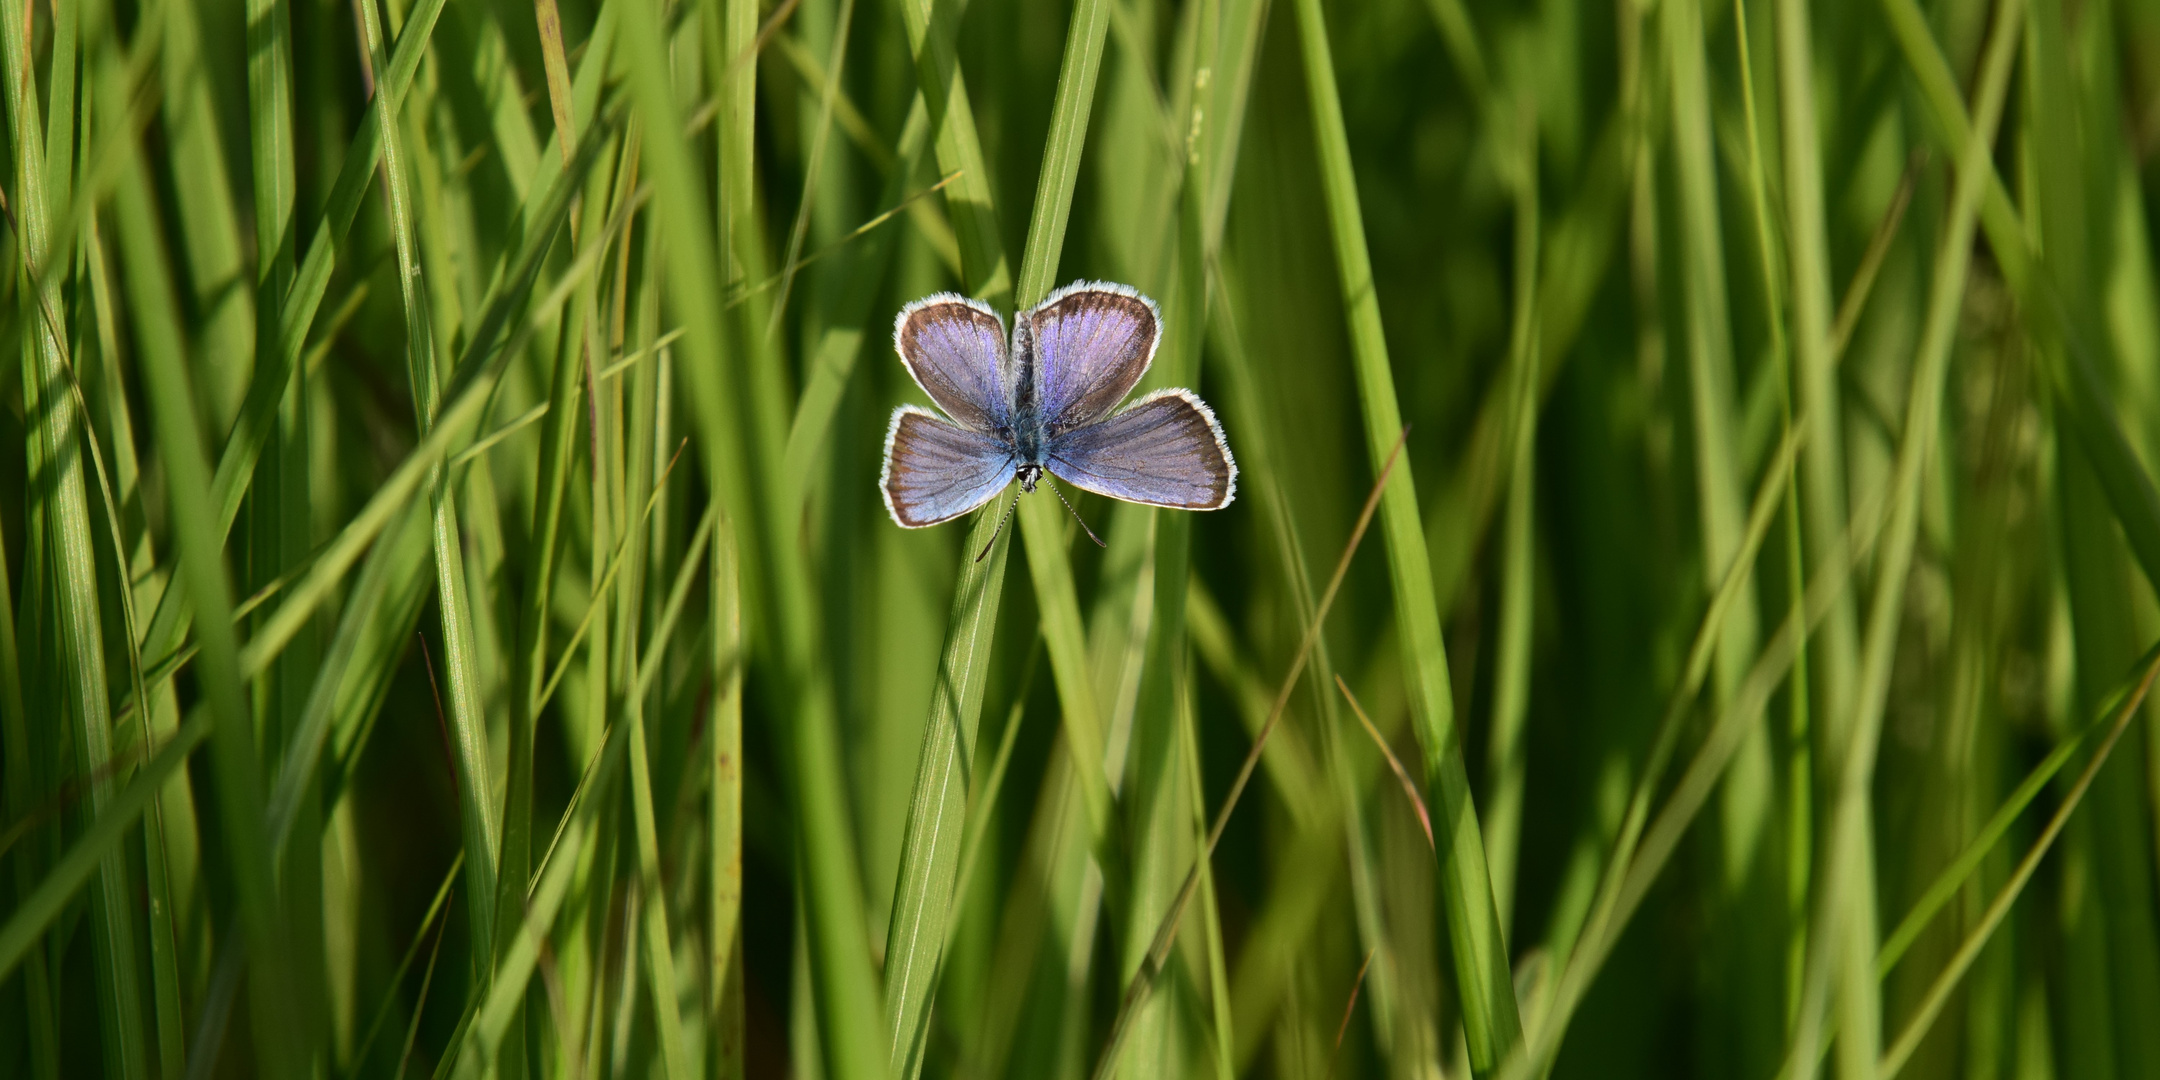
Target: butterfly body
column 1045, row 405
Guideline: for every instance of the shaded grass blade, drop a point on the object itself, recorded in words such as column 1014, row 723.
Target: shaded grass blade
column 1894, row 1059
column 30, row 921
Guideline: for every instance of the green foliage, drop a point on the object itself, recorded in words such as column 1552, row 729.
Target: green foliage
column 448, row 624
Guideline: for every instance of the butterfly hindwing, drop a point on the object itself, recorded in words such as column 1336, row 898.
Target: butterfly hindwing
column 955, row 349
column 1089, row 343
column 936, row 471
column 1166, row 450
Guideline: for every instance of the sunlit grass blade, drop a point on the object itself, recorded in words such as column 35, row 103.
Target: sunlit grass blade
column 1164, row 936
column 1505, row 754
column 930, row 30
column 213, row 249
column 1483, row 976
column 476, row 787
column 1751, row 977
column 1042, row 524
column 740, row 421
column 1846, row 900
column 724, row 983
column 931, row 848
column 237, row 462
column 199, row 540
column 659, row 947
column 56, row 487
column 1833, row 656
column 36, row 983
column 573, row 362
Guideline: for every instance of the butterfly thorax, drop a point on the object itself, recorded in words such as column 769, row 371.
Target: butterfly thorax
column 1030, row 447
column 1029, row 434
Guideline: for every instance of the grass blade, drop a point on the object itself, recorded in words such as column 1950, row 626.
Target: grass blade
column 740, row 423
column 1893, row 1060
column 1511, row 672
column 35, row 915
column 1483, row 977
column 1846, row 897
column 236, row 465
column 930, row 851
column 476, row 789
column 725, row 983
column 202, row 575
column 1142, row 983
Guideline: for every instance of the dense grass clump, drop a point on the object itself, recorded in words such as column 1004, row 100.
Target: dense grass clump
column 1689, row 609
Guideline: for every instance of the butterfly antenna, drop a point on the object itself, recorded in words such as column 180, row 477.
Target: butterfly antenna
column 1002, row 519
column 1076, row 517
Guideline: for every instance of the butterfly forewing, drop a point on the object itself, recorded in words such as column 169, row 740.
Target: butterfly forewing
column 955, row 349
column 1167, row 450
column 1089, row 344
column 936, row 472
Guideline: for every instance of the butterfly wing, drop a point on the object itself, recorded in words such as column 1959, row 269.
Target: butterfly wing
column 954, row 348
column 1087, row 345
column 935, row 471
column 1166, row 450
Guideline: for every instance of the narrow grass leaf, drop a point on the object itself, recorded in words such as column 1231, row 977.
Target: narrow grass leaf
column 1483, row 977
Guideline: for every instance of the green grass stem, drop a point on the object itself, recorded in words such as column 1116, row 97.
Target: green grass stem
column 1483, row 977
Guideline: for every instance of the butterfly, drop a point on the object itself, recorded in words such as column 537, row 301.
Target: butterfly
column 1045, row 405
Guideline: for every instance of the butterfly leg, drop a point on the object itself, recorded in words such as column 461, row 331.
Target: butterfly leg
column 1002, row 519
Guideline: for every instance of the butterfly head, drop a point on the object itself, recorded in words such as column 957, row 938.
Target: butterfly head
column 1028, row 474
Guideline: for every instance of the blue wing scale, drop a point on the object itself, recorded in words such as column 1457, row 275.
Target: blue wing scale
column 936, row 471
column 1166, row 450
column 954, row 348
column 1086, row 347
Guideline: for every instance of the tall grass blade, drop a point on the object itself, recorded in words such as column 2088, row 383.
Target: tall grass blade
column 1142, row 983
column 64, row 555
column 1511, row 669
column 468, row 725
column 1483, row 977
column 203, row 576
column 930, row 849
column 34, row 916
column 724, row 984
column 739, row 423
column 1846, row 894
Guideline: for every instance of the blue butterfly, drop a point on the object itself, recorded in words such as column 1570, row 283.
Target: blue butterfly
column 1045, row 405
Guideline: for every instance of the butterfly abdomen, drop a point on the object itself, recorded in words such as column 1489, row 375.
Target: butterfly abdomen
column 1030, row 432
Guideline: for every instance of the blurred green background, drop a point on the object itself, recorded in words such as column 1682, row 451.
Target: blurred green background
column 1682, row 615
